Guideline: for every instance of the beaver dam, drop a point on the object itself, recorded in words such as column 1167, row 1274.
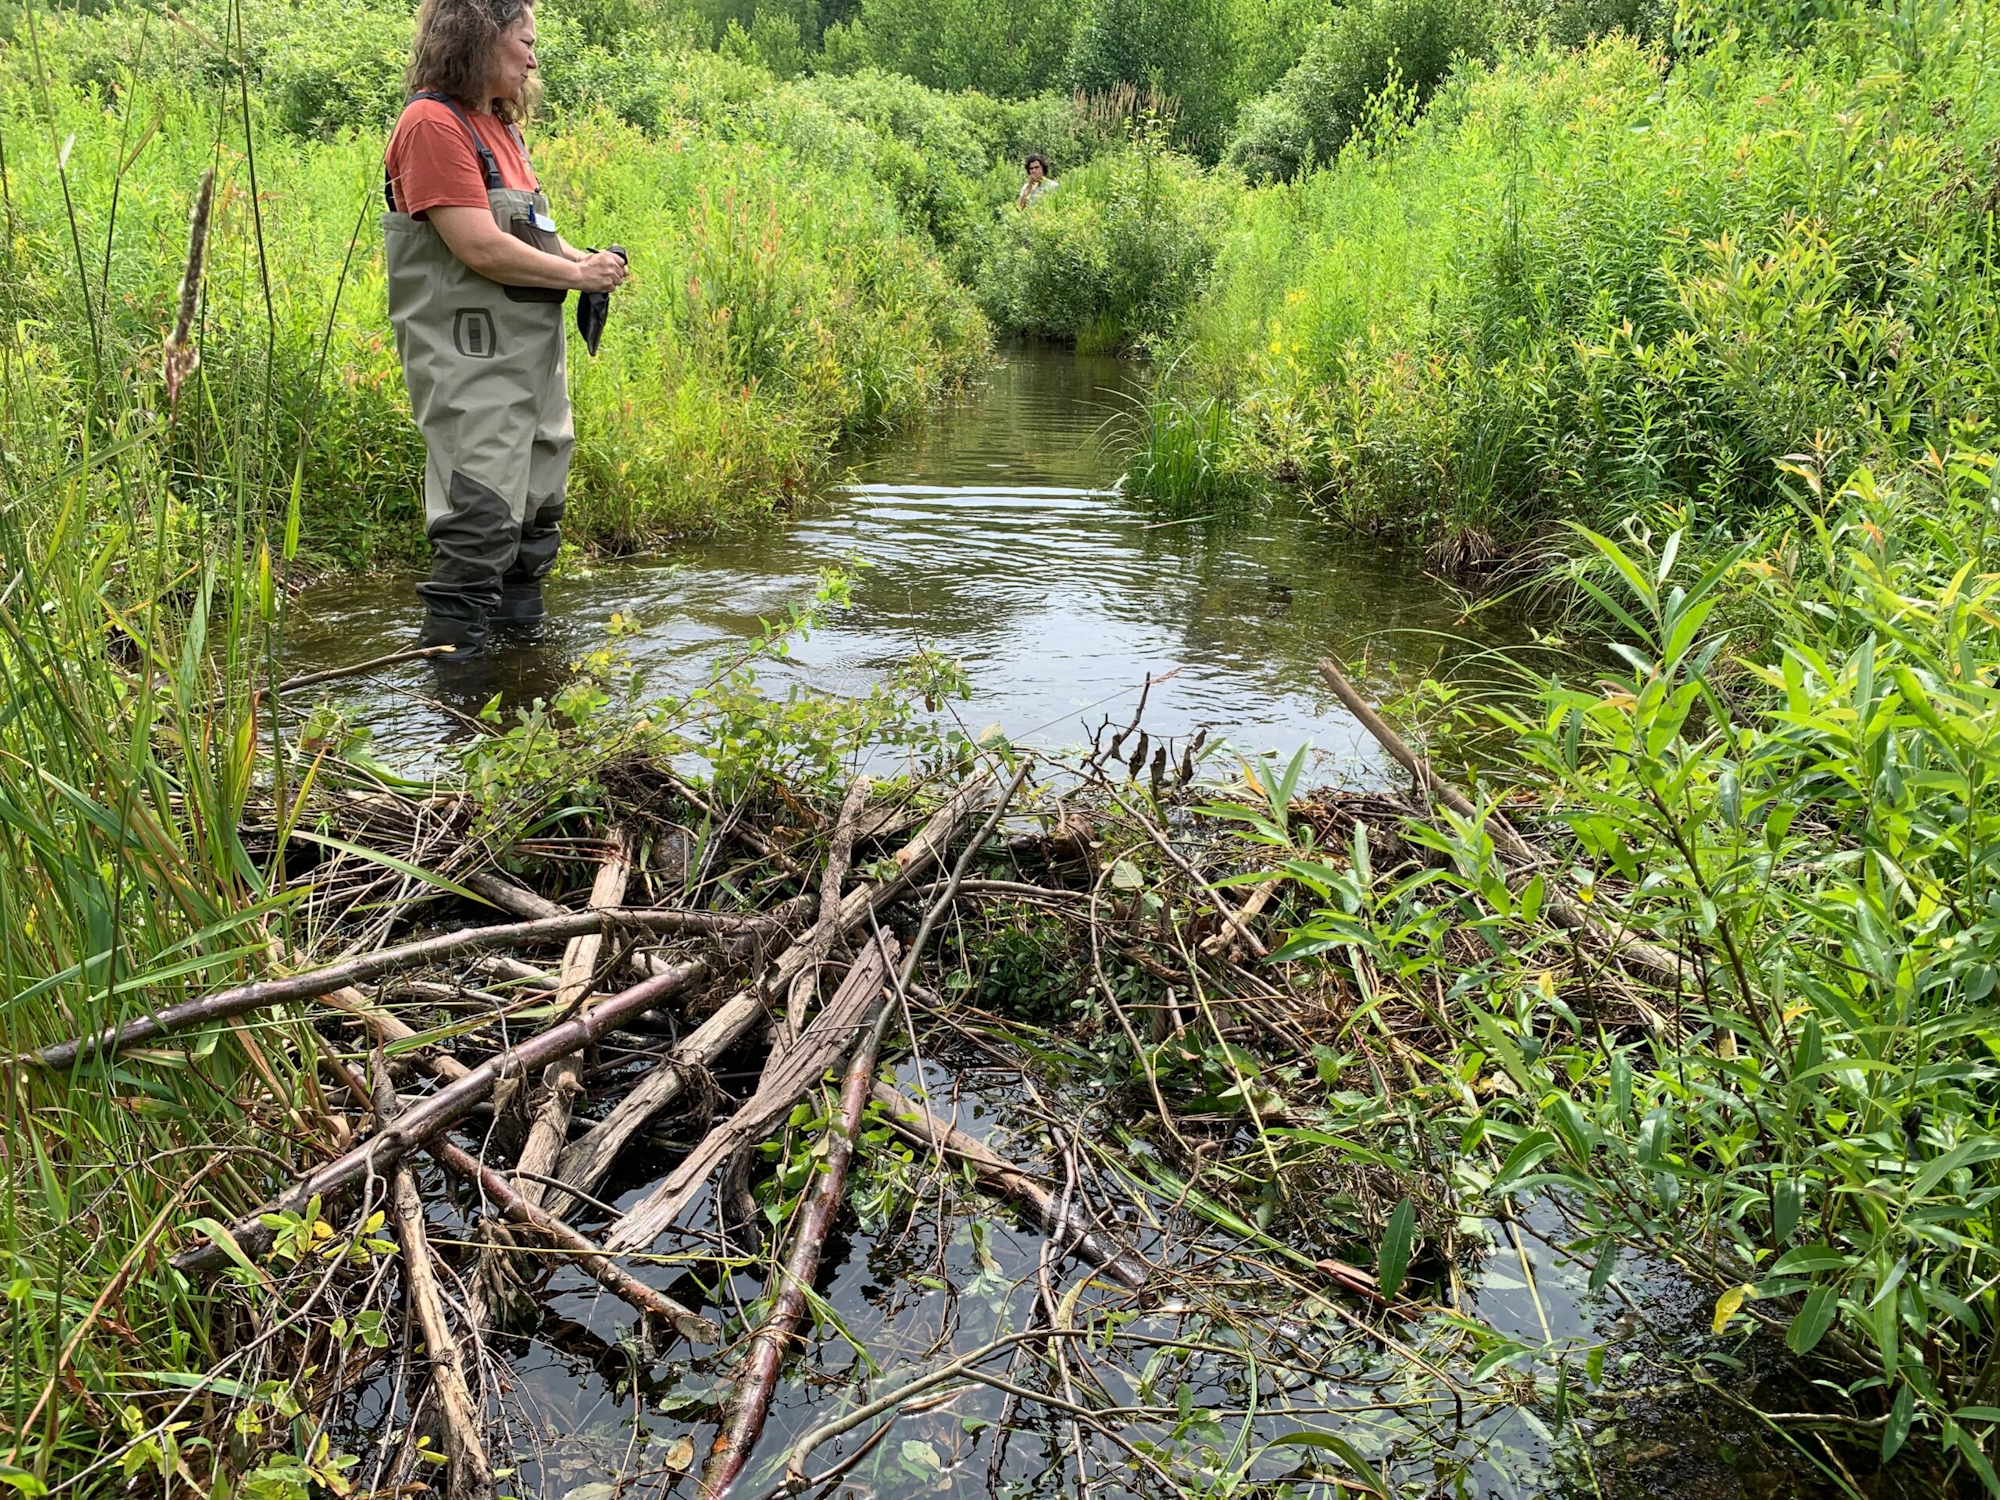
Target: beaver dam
column 972, row 1129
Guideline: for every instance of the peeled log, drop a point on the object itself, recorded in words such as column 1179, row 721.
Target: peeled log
column 589, row 1159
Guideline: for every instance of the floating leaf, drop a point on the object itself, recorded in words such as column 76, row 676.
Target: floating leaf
column 679, row 1455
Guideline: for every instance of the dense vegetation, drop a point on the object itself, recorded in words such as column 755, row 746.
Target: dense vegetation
column 1694, row 326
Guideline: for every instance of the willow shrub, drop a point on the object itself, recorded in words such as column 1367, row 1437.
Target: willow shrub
column 1812, row 1122
column 1114, row 255
column 678, row 429
column 1587, row 286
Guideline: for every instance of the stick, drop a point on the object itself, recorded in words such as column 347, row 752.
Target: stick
column 331, row 674
column 564, row 1079
column 794, row 1478
column 757, row 1377
column 829, row 1038
column 259, row 993
column 511, row 896
column 444, row 1108
column 829, row 905
column 1225, row 943
column 468, row 1473
column 607, row 1272
column 589, row 1158
column 1066, row 1225
column 1651, row 961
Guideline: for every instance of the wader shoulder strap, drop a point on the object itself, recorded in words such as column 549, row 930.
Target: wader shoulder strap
column 488, row 167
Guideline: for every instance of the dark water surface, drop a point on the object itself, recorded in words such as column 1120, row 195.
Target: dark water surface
column 993, row 535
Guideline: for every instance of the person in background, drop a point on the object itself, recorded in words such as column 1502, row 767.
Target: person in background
column 1039, row 181
column 478, row 276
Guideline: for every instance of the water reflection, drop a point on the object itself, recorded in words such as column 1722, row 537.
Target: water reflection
column 993, row 534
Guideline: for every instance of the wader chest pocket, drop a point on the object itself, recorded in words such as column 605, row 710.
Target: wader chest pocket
column 472, row 333
column 528, row 232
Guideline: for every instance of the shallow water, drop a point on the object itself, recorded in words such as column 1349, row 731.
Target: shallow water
column 994, row 535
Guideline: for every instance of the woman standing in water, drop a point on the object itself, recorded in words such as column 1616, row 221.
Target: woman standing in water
column 477, row 280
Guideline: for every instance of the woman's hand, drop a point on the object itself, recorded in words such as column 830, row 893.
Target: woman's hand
column 601, row 271
column 473, row 236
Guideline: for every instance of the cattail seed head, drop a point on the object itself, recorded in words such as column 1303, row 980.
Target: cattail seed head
column 182, row 356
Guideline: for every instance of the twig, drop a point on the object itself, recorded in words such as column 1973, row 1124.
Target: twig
column 469, row 1473
column 357, row 669
column 1647, row 959
column 244, row 998
column 1070, row 1229
column 605, row 1271
column 825, row 931
column 757, row 1378
column 549, row 1132
column 793, row 1478
column 444, row 1108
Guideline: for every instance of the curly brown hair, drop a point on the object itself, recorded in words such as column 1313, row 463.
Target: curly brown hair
column 453, row 47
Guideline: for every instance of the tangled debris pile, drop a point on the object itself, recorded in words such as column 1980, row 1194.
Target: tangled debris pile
column 485, row 1132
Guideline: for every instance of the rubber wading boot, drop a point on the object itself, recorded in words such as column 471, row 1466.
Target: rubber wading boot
column 520, row 604
column 465, row 632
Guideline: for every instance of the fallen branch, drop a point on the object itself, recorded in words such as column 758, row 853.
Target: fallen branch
column 334, row 674
column 468, row 1472
column 824, row 933
column 1066, row 1225
column 757, row 1378
column 256, row 995
column 1648, row 959
column 787, row 1080
column 549, row 1132
column 588, row 1159
column 448, row 1105
column 605, row 1271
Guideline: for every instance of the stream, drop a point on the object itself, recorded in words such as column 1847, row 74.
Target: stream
column 996, row 534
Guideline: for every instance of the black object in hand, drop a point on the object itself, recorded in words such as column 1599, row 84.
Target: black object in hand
column 593, row 308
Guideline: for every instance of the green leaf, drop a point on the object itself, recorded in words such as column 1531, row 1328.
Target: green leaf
column 1813, row 1319
column 1392, row 1262
column 23, row 1480
column 1807, row 1259
column 1787, row 1200
column 1902, row 1411
column 1344, row 1450
column 1528, row 1153
column 1606, row 1263
column 1961, row 1156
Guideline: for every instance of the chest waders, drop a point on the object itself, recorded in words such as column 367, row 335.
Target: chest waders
column 484, row 364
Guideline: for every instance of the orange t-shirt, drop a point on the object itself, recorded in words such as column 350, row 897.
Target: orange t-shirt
column 432, row 162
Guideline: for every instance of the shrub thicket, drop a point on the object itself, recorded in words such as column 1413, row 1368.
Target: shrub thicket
column 1372, row 46
column 1591, row 286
